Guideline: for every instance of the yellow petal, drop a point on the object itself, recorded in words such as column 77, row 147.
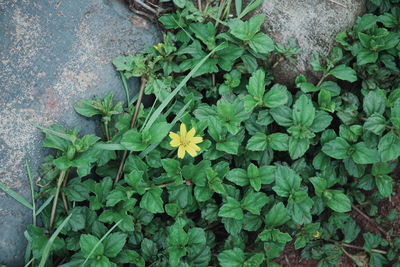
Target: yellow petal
column 174, row 136
column 194, row 147
column 175, row 143
column 191, row 134
column 196, row 140
column 191, row 151
column 181, row 152
column 183, row 130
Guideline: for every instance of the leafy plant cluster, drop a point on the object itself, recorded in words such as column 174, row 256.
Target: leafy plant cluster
column 277, row 166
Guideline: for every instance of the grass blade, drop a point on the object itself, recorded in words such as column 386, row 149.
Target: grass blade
column 44, row 205
column 101, row 240
column 126, row 88
column 58, row 134
column 46, row 250
column 168, row 99
column 238, row 6
column 28, row 247
column 16, row 196
column 250, row 7
column 105, row 146
column 28, row 170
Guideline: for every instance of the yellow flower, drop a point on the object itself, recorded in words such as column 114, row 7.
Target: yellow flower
column 317, row 235
column 185, row 142
column 158, row 46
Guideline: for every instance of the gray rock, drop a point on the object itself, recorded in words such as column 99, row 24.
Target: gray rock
column 53, row 53
column 314, row 23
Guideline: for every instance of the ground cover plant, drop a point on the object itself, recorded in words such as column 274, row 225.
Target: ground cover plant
column 223, row 166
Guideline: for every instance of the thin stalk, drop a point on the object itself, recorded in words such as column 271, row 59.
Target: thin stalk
column 106, row 130
column 199, row 5
column 322, row 79
column 372, row 221
column 282, row 58
column 126, row 88
column 53, row 209
column 337, row 3
column 28, row 169
column 132, row 124
column 355, row 247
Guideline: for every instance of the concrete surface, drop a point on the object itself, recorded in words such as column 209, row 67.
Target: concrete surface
column 314, row 23
column 53, row 53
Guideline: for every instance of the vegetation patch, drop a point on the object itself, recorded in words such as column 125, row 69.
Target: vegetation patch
column 226, row 167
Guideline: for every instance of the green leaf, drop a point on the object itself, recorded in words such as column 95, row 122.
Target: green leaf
column 366, row 56
column 384, row 184
column 254, row 176
column 389, row 147
column 337, row 200
column 86, row 108
column 87, row 242
column 374, row 103
column 177, row 236
column 231, row 258
column 320, row 185
column 298, row 147
column 282, row 116
column 262, row 43
column 257, row 142
column 279, row 141
column 364, row 155
column 113, row 244
column 321, row 122
column 231, row 209
column 276, row 96
column 254, row 202
column 337, row 148
column 152, row 200
column 345, row 73
column 256, row 86
column 376, row 123
column 238, row 177
column 133, row 140
column 277, row 216
column 245, row 31
column 303, row 111
column 287, row 181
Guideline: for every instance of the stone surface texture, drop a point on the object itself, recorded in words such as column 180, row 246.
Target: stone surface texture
column 53, row 53
column 314, row 23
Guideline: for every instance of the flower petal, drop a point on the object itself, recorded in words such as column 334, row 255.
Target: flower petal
column 181, row 152
column 196, row 140
column 191, row 151
column 194, row 147
column 174, row 136
column 183, row 130
column 175, row 143
column 191, row 134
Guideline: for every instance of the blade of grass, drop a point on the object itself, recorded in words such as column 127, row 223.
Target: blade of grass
column 125, row 84
column 44, row 205
column 46, row 250
column 250, row 7
column 101, row 240
column 148, row 115
column 168, row 99
column 238, row 6
column 16, row 196
column 177, row 117
column 29, row 262
column 28, row 170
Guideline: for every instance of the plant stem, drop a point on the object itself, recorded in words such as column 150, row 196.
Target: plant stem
column 106, row 131
column 372, row 222
column 53, row 209
column 199, row 5
column 132, row 124
column 322, row 79
column 337, row 3
column 282, row 58
column 356, row 247
column 126, row 88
